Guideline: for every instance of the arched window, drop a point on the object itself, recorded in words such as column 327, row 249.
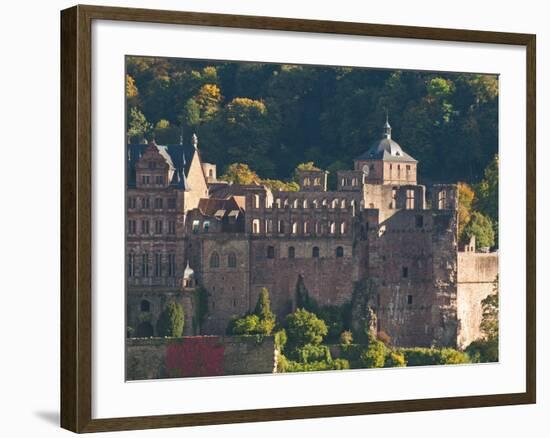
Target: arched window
column 294, row 227
column 231, row 260
column 304, row 203
column 315, row 252
column 215, row 260
column 339, row 251
column 315, row 203
column 343, row 228
column 306, row 227
column 291, row 252
column 281, row 227
column 332, row 227
column 270, row 252
column 295, row 203
column 306, row 182
column 324, row 203
column 278, row 202
column 343, row 203
column 145, row 306
column 256, row 201
column 335, row 203
column 256, row 226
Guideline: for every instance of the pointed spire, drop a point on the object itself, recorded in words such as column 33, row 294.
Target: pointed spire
column 387, row 127
column 195, row 140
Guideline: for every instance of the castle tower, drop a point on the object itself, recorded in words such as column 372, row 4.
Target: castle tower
column 386, row 162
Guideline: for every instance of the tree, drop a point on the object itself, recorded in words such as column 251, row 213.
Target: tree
column 487, row 193
column 171, row 321
column 375, row 354
column 481, row 227
column 465, row 200
column 489, row 319
column 240, row 173
column 309, row 165
column 138, row 126
column 261, row 322
column 304, row 327
column 247, row 325
column 275, row 184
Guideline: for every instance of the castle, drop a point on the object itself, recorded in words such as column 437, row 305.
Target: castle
column 186, row 228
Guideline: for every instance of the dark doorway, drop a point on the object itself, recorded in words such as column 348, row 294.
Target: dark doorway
column 144, row 330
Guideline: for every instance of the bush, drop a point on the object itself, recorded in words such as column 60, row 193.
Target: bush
column 433, row 356
column 374, row 356
column 248, row 325
column 171, row 320
column 346, row 337
column 289, row 366
column 261, row 322
column 481, row 227
column 304, row 328
column 280, row 339
column 482, row 350
column 394, row 359
column 311, row 353
column 352, row 353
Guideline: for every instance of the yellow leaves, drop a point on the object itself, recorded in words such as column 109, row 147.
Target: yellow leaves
column 131, row 88
column 466, row 197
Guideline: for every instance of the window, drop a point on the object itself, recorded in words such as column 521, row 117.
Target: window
column 294, row 227
column 332, row 227
column 158, row 264
column 232, row 260
column 270, row 252
column 159, row 179
column 410, row 199
column 393, row 198
column 343, row 203
column 145, row 306
column 210, row 173
column 339, row 252
column 256, row 201
column 132, row 202
column 131, row 226
column 131, row 265
column 304, row 203
column 442, row 200
column 354, row 181
column 317, row 181
column 171, row 227
column 158, row 227
column 196, row 225
column 343, row 182
column 295, row 203
column 171, row 203
column 408, row 168
column 315, row 203
column 335, row 203
column 405, row 272
column 419, row 221
column 409, row 299
column 256, row 226
column 291, row 252
column 306, row 182
column 315, row 252
column 152, row 165
column 343, row 228
column 171, row 265
column 306, row 227
column 215, row 260
column 144, row 202
column 281, row 227
column 145, row 226
column 145, row 180
column 145, row 265
column 206, row 226
column 158, row 202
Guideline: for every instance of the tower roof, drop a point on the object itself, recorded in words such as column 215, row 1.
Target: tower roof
column 386, row 149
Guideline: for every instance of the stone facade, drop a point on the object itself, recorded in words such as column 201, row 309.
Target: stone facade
column 199, row 356
column 379, row 226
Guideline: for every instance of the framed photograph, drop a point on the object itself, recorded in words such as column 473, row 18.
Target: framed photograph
column 268, row 219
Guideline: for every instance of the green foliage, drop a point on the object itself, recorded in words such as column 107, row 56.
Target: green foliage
column 304, row 328
column 394, row 359
column 487, row 191
column 138, row 127
column 280, row 339
column 483, row 350
column 433, row 356
column 277, row 116
column 171, row 320
column 465, row 200
column 261, row 322
column 481, row 227
column 375, row 354
column 247, row 325
column 489, row 319
column 311, row 353
column 346, row 337
column 275, row 184
column 290, row 366
column 240, row 173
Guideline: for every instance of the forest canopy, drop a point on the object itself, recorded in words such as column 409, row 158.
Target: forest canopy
column 275, row 116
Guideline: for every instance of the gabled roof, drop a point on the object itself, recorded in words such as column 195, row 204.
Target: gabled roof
column 177, row 156
column 218, row 207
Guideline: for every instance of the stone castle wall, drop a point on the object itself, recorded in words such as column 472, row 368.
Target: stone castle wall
column 477, row 273
column 199, row 356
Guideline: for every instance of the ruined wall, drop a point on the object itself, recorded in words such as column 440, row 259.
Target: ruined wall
column 413, row 264
column 199, row 356
column 476, row 276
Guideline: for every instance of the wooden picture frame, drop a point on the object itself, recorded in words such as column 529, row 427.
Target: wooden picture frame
column 76, row 217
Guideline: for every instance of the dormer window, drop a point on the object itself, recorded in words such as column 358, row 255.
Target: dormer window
column 145, row 180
